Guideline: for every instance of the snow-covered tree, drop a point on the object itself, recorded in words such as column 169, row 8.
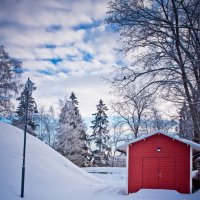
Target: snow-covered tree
column 131, row 108
column 154, row 120
column 47, row 129
column 10, row 72
column 72, row 137
column 162, row 38
column 185, row 122
column 26, row 101
column 100, row 136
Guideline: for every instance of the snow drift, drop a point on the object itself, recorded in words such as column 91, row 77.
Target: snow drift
column 48, row 174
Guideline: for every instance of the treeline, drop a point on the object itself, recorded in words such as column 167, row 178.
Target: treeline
column 135, row 113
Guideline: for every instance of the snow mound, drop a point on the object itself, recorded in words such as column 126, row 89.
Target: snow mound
column 48, row 174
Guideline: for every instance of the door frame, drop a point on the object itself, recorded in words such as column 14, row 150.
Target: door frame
column 158, row 162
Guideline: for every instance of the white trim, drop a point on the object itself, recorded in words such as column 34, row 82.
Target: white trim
column 127, row 167
column 190, row 169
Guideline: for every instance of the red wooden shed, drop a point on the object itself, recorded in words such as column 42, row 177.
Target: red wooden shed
column 159, row 161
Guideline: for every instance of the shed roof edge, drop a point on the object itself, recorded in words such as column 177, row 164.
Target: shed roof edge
column 194, row 145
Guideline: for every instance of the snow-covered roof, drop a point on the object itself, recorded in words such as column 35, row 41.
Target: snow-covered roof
column 194, row 145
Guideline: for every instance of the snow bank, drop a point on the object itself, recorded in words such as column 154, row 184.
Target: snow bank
column 149, row 194
column 110, row 174
column 48, row 174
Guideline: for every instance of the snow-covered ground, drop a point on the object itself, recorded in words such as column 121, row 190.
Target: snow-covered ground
column 50, row 176
column 109, row 174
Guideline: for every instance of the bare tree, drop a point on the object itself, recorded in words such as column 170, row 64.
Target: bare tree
column 154, row 121
column 117, row 137
column 132, row 108
column 166, row 33
column 48, row 126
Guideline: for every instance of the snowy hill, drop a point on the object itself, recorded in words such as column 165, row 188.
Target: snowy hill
column 50, row 176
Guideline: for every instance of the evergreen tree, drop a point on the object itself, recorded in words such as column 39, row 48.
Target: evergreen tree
column 72, row 137
column 100, row 136
column 26, row 100
column 74, row 99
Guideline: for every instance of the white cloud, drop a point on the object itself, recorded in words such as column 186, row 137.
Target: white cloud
column 34, row 65
column 28, row 27
column 62, row 52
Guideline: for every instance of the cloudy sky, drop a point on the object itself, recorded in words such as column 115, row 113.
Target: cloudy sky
column 64, row 46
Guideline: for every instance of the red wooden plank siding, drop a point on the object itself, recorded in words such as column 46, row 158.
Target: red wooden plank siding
column 172, row 164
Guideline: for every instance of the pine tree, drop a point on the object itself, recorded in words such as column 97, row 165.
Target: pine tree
column 72, row 137
column 25, row 100
column 100, row 136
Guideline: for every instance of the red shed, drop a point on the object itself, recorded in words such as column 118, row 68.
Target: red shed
column 159, row 161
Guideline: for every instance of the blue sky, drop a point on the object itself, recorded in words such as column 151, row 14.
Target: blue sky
column 64, row 45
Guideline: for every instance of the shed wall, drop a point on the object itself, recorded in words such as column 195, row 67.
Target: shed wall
column 173, row 159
